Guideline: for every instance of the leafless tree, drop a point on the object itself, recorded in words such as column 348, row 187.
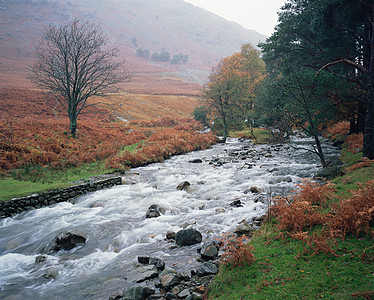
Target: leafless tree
column 72, row 62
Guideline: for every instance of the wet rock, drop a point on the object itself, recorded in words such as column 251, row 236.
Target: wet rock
column 244, row 229
column 330, row 172
column 338, row 144
column 253, row 190
column 284, row 179
column 154, row 211
column 170, row 296
column 206, row 269
column 183, row 294
column 176, row 290
column 209, row 251
column 66, row 240
column 40, row 259
column 50, row 273
column 186, row 237
column 220, row 210
column 258, row 220
column 156, row 296
column 117, row 296
column 236, row 203
column 136, row 292
column 142, row 274
column 196, row 161
column 259, row 199
column 194, row 296
column 144, row 260
column 183, row 186
column 169, row 278
column 157, row 262
column 170, row 235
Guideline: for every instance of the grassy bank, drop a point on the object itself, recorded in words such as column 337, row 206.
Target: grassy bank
column 39, row 156
column 258, row 135
column 319, row 246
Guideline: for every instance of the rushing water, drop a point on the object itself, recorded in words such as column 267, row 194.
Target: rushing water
column 114, row 219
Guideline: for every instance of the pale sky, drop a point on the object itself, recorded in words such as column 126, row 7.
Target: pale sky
column 259, row 15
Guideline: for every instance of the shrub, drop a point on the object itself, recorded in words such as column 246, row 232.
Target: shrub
column 236, row 251
column 354, row 214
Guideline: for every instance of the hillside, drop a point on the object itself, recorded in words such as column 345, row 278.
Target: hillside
column 171, row 26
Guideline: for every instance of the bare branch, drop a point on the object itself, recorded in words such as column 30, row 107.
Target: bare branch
column 345, row 61
column 72, row 63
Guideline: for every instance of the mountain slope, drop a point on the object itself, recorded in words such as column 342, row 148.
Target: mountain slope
column 171, row 26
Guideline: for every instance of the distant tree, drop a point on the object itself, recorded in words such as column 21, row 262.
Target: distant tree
column 201, row 114
column 164, row 56
column 229, row 93
column 134, row 42
column 155, row 56
column 178, row 58
column 146, row 53
column 140, row 52
column 71, row 62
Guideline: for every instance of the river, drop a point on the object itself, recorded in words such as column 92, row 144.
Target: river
column 118, row 231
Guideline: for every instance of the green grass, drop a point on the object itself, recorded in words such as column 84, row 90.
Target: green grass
column 34, row 179
column 279, row 273
column 46, row 179
column 262, row 135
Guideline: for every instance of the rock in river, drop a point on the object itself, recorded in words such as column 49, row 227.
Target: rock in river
column 66, row 240
column 186, row 237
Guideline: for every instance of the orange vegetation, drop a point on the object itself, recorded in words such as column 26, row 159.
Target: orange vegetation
column 34, row 130
column 236, row 251
column 308, row 208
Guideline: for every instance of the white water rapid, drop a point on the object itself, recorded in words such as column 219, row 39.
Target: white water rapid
column 117, row 230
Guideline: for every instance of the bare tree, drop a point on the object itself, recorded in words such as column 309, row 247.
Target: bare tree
column 73, row 64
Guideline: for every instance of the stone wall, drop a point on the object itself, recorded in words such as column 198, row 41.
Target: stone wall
column 18, row 205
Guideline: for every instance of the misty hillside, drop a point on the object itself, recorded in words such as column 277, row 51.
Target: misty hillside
column 171, row 26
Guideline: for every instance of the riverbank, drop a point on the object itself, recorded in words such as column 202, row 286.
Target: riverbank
column 40, row 161
column 314, row 250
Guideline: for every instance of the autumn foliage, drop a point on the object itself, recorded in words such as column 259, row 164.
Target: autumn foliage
column 45, row 142
column 236, row 251
column 308, row 208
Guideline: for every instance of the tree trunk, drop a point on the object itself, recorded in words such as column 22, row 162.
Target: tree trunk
column 320, row 151
column 73, row 122
column 368, row 149
column 223, row 114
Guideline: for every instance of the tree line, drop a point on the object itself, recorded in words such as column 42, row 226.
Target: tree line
column 162, row 56
column 319, row 70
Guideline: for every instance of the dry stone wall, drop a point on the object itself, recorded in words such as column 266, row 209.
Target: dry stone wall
column 18, row 205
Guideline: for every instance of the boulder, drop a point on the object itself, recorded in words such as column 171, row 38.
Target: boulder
column 169, row 278
column 184, row 293
column 244, row 229
column 183, row 186
column 186, row 237
column 170, row 235
column 236, row 203
column 330, row 172
column 206, row 268
column 66, row 240
column 142, row 274
column 40, row 259
column 50, row 273
column 157, row 262
column 136, row 292
column 252, row 189
column 154, row 211
column 196, row 161
column 209, row 251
